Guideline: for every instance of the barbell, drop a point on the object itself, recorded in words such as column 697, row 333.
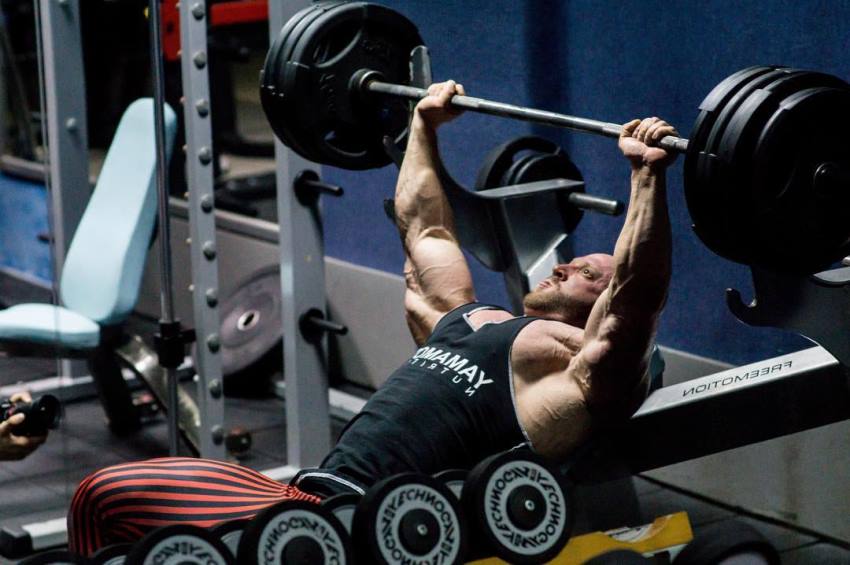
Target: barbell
column 767, row 166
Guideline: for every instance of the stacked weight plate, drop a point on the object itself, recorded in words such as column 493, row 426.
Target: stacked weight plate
column 754, row 150
column 529, row 159
column 305, row 86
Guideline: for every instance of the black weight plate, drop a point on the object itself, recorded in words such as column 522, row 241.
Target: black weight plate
column 342, row 51
column 251, row 327
column 529, row 159
column 710, row 170
column 726, row 112
column 699, row 196
column 733, row 180
column 181, row 544
column 805, row 225
column 709, row 109
column 409, row 518
column 551, row 166
column 272, row 85
column 801, row 225
column 294, row 531
column 492, row 173
column 454, row 479
column 513, row 173
column 343, row 507
column 518, row 507
column 544, row 166
column 230, row 533
column 732, row 156
column 311, row 97
column 53, row 557
column 274, row 65
column 111, row 555
column 289, row 36
column 275, row 60
column 328, row 48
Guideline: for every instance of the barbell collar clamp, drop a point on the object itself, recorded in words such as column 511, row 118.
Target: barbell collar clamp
column 366, row 80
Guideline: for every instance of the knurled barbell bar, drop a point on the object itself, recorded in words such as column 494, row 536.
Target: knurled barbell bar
column 765, row 171
column 366, row 80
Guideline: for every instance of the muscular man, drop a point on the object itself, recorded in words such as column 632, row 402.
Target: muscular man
column 483, row 380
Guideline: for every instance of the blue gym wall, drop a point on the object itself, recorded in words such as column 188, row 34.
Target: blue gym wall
column 611, row 61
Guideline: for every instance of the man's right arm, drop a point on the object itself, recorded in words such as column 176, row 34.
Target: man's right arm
column 436, row 272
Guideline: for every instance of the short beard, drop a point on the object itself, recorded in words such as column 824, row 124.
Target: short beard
column 554, row 305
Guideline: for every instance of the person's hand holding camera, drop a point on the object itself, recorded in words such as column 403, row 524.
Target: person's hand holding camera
column 12, row 445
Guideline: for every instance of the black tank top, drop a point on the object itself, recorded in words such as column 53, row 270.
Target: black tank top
column 449, row 406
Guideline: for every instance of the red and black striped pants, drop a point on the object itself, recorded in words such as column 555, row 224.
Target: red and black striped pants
column 123, row 502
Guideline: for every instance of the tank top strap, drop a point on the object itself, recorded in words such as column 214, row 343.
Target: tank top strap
column 456, row 320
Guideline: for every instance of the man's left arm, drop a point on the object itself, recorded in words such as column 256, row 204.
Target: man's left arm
column 611, row 367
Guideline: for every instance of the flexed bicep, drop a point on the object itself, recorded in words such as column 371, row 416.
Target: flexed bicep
column 436, row 272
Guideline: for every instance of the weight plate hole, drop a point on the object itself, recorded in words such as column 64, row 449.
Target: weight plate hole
column 248, row 320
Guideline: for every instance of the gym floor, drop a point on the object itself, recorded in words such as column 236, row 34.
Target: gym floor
column 40, row 487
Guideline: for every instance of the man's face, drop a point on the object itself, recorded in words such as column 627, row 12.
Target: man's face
column 570, row 293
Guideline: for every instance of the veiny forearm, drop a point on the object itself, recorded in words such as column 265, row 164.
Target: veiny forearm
column 420, row 203
column 611, row 366
column 642, row 253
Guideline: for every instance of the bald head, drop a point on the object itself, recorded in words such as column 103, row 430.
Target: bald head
column 569, row 294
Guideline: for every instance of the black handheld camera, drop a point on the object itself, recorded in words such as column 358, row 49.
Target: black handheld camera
column 42, row 414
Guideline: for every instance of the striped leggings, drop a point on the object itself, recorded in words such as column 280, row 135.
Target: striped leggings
column 123, row 502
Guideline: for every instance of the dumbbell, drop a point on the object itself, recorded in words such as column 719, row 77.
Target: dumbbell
column 342, row 506
column 181, row 544
column 518, row 508
column 294, row 531
column 409, row 518
column 454, row 479
column 230, row 533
